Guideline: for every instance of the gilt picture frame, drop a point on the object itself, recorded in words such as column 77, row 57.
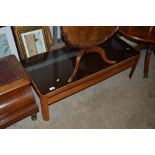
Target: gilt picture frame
column 7, row 43
column 33, row 42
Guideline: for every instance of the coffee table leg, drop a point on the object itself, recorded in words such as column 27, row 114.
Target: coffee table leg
column 133, row 68
column 147, row 62
column 44, row 108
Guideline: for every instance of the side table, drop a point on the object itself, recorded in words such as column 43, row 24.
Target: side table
column 145, row 36
column 16, row 97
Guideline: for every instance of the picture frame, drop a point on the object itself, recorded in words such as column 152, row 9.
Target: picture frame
column 33, row 42
column 7, row 42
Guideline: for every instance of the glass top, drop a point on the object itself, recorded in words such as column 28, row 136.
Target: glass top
column 54, row 71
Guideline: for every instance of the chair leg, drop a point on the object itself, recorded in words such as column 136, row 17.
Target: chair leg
column 147, row 62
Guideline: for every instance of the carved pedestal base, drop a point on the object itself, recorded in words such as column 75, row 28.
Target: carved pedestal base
column 82, row 52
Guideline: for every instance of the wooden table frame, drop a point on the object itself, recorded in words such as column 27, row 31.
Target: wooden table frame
column 76, row 86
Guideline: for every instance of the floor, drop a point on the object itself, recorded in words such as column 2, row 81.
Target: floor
column 118, row 102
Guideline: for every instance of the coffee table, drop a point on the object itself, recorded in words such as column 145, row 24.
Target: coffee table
column 50, row 77
column 145, row 35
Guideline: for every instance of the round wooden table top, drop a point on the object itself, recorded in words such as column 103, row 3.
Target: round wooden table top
column 87, row 36
column 139, row 33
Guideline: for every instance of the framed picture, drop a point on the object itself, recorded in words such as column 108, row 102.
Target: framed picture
column 7, row 43
column 32, row 41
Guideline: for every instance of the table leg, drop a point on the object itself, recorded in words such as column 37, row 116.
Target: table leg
column 44, row 108
column 147, row 62
column 133, row 68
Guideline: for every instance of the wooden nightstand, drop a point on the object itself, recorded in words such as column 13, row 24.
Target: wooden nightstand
column 16, row 97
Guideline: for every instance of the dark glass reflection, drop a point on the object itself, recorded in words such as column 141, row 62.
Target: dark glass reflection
column 56, row 69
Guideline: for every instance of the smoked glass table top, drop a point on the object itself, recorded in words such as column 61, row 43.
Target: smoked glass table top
column 53, row 72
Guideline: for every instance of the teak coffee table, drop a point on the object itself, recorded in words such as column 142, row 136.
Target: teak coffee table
column 50, row 77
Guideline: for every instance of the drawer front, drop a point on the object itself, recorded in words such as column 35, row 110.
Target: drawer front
column 15, row 100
